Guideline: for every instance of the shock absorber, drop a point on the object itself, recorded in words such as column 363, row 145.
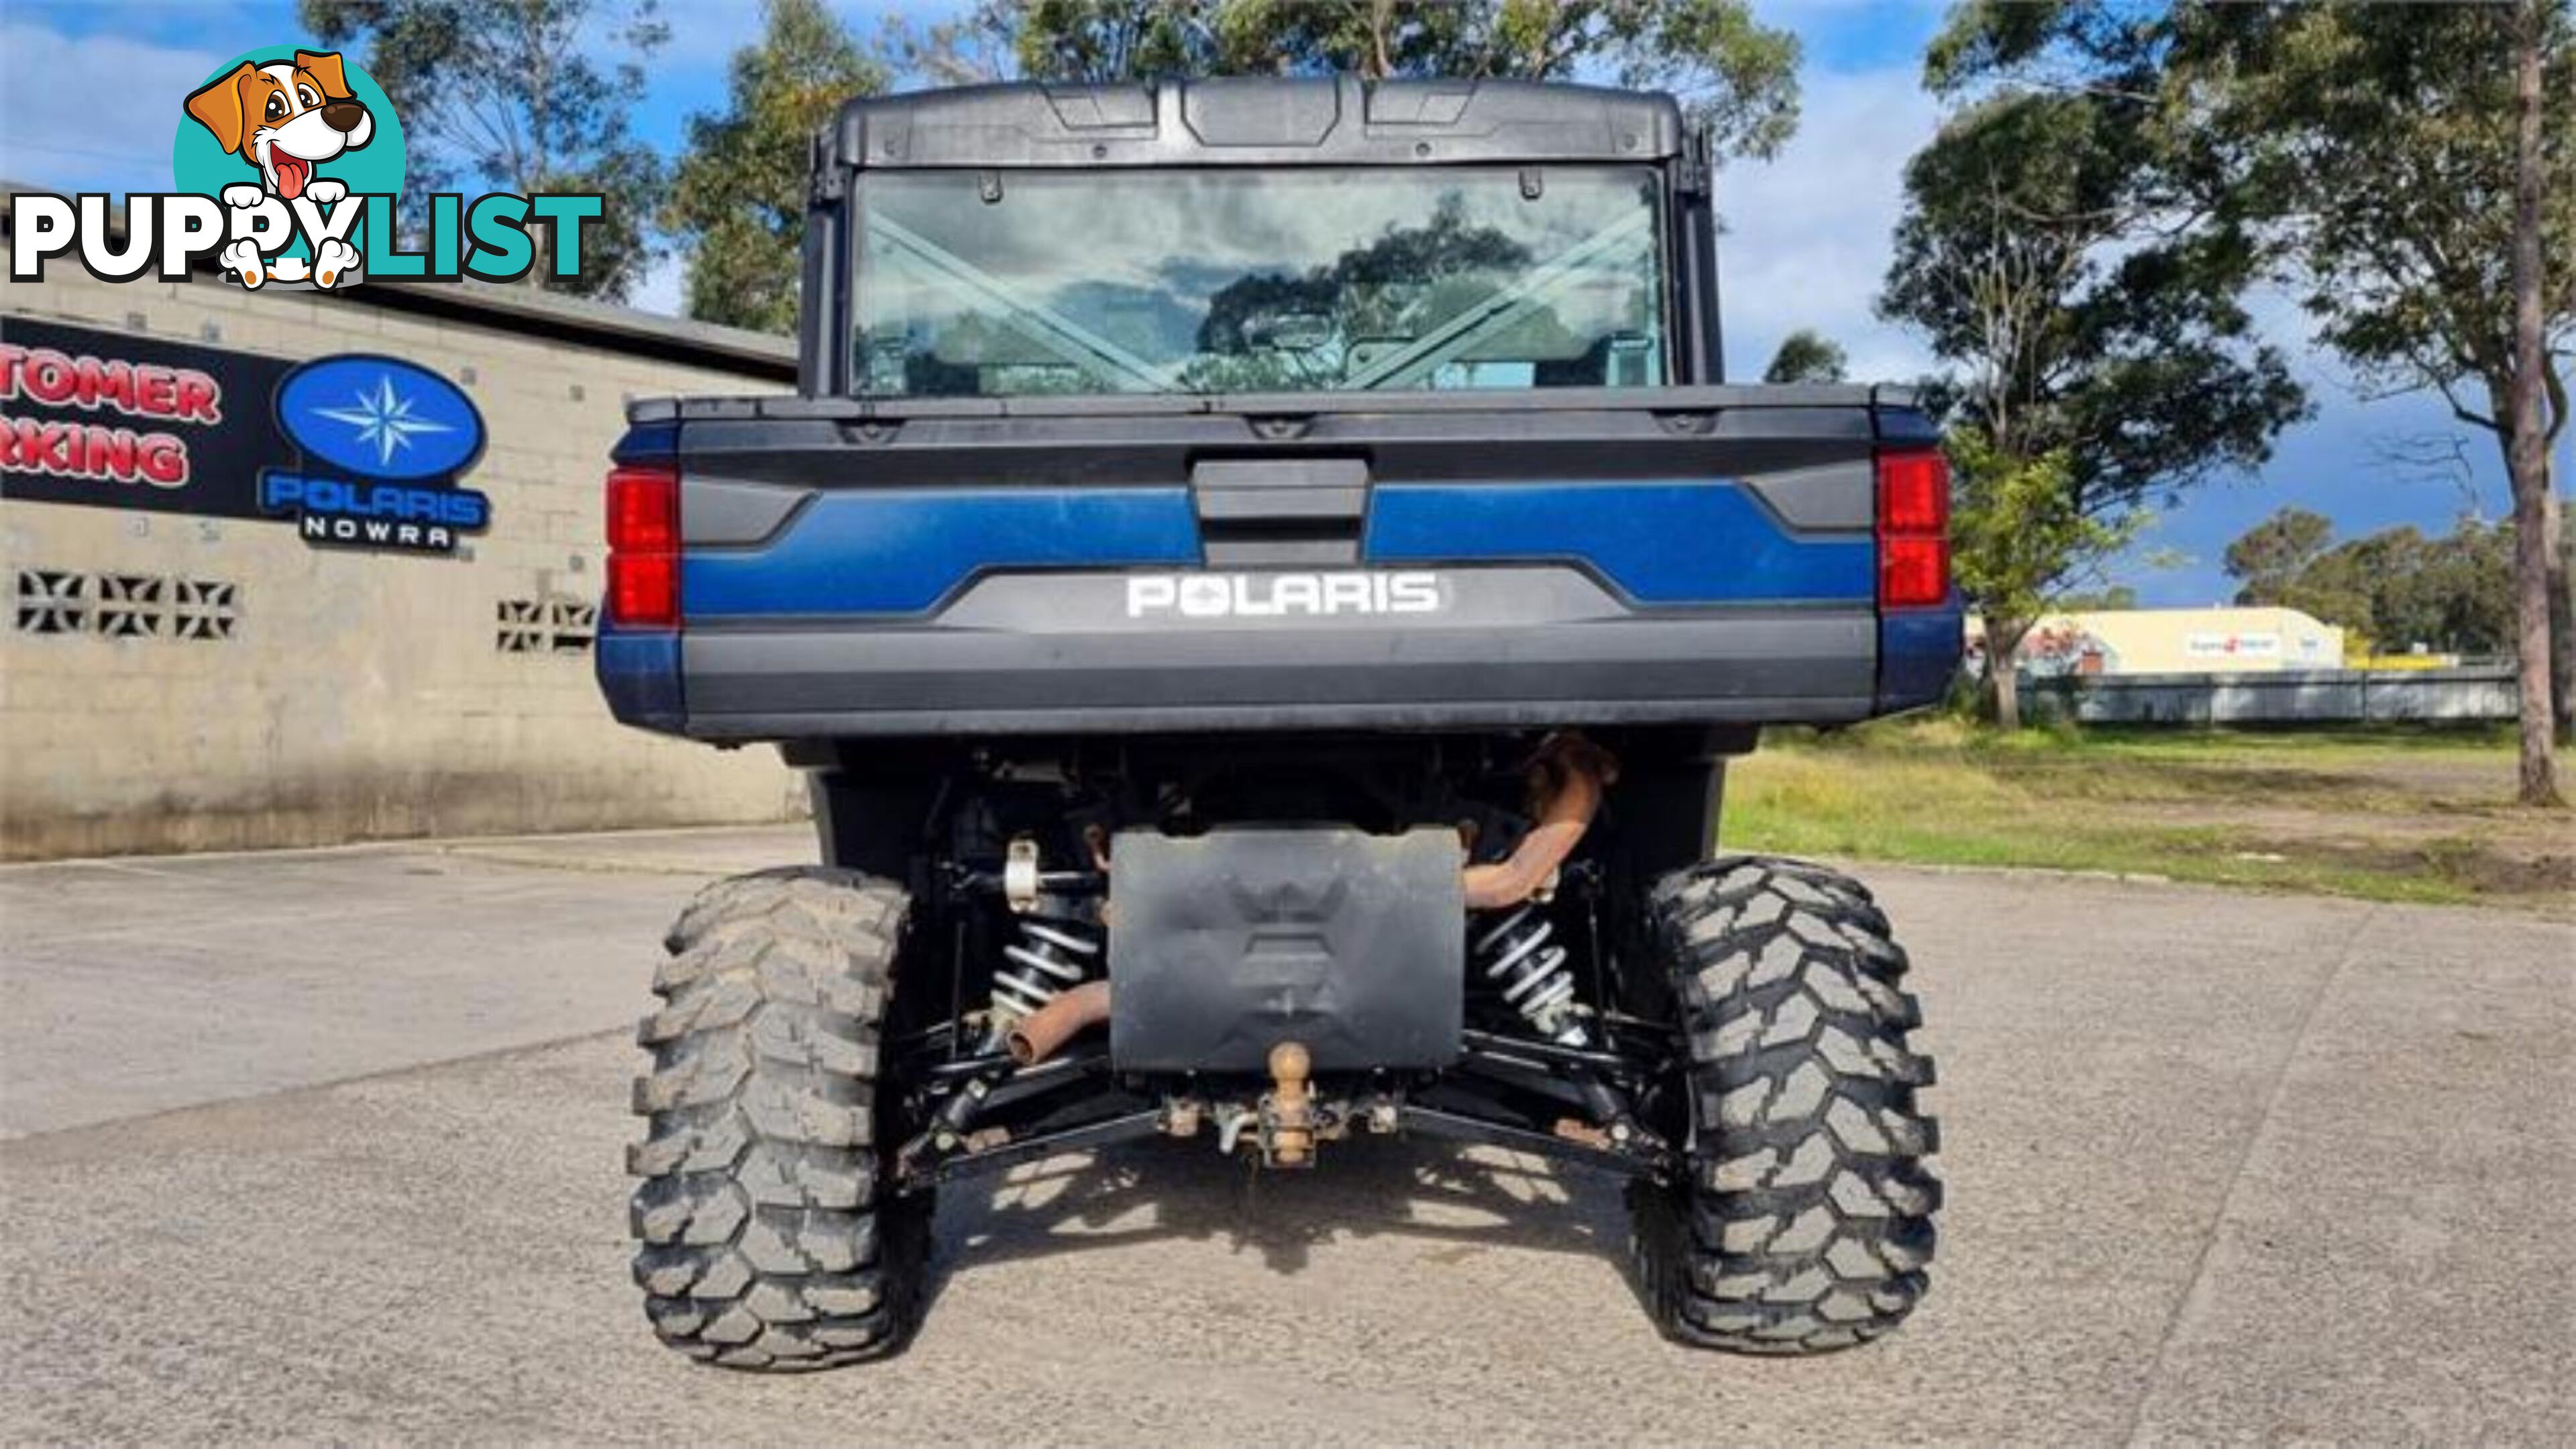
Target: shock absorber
column 1053, row 955
column 1520, row 957
column 1530, row 967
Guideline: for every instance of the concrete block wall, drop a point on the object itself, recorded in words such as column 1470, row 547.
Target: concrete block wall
column 360, row 695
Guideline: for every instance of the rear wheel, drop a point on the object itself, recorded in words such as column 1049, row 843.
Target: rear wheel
column 1803, row 1219
column 767, row 1233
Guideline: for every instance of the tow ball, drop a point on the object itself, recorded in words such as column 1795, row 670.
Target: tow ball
column 1287, row 1113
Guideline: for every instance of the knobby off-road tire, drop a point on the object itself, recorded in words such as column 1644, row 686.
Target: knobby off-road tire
column 767, row 1233
column 1804, row 1220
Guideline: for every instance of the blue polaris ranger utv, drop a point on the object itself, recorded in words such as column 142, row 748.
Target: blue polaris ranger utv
column 1264, row 578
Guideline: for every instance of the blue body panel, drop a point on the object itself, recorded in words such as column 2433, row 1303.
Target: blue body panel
column 901, row 552
column 639, row 672
column 1662, row 542
column 648, row 443
column 1918, row 654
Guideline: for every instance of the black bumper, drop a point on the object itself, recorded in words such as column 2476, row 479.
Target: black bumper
column 1809, row 666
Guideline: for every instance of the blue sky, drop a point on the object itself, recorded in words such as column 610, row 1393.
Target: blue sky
column 1806, row 246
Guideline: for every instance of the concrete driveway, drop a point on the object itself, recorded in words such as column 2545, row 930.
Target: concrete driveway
column 326, row 1146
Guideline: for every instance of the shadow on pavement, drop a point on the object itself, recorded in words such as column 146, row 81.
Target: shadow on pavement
column 1365, row 1188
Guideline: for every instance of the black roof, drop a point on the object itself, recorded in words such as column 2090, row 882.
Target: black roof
column 1261, row 121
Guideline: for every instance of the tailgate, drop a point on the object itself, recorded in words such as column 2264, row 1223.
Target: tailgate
column 1425, row 560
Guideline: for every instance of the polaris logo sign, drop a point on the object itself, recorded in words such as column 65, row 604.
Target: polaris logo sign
column 383, row 441
column 1277, row 596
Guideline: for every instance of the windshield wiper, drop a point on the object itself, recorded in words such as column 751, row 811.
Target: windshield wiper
column 1497, row 312
column 1063, row 335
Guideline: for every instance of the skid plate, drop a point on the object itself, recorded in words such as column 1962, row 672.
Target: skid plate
column 1223, row 945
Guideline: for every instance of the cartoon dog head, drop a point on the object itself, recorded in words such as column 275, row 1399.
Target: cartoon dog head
column 285, row 118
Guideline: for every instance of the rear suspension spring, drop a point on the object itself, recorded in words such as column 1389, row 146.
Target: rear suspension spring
column 1519, row 956
column 1053, row 955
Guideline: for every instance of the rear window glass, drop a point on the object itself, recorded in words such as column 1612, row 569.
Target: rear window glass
column 1187, row 281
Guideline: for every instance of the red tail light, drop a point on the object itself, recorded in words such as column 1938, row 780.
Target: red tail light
column 644, row 547
column 1913, row 529
column 644, row 590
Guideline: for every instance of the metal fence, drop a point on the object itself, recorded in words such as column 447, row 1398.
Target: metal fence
column 2469, row 693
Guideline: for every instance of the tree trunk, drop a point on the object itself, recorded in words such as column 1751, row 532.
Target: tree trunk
column 2526, row 458
column 2562, row 606
column 2003, row 673
column 2007, row 683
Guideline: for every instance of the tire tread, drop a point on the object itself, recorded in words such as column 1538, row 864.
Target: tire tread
column 1805, row 1221
column 765, row 1236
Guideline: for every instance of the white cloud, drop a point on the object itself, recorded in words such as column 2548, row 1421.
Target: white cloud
column 660, row 288
column 97, row 114
column 1807, row 239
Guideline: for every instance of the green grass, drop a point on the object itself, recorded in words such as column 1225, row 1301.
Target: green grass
column 2383, row 813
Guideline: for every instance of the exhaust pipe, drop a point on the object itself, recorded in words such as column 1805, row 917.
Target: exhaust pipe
column 1042, row 1033
column 1566, row 783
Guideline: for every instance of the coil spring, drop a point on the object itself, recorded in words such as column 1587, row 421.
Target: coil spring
column 1052, row 956
column 1532, row 972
